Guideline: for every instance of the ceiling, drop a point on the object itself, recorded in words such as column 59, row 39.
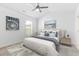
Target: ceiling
column 26, row 8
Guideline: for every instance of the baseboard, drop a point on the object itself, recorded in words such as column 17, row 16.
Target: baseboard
column 10, row 44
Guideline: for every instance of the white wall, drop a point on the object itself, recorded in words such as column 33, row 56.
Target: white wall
column 11, row 37
column 65, row 21
column 77, row 28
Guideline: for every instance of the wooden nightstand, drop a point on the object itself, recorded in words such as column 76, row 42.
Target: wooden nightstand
column 66, row 41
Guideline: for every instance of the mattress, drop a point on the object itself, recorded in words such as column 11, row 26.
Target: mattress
column 42, row 47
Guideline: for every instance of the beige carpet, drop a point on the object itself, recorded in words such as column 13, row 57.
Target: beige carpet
column 68, row 51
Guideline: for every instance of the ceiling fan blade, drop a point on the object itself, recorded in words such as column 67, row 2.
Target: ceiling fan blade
column 44, row 7
column 37, row 6
column 40, row 10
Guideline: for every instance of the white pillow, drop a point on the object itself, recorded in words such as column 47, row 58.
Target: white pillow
column 53, row 34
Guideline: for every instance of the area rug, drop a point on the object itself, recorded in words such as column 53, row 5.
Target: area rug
column 20, row 50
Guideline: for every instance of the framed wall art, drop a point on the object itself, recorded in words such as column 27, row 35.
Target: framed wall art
column 50, row 24
column 12, row 23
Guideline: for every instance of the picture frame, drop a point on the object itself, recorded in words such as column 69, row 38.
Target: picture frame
column 12, row 23
column 51, row 24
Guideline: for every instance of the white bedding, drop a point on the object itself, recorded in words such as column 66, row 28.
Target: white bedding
column 43, row 47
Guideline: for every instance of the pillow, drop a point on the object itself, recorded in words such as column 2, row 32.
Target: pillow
column 46, row 33
column 52, row 34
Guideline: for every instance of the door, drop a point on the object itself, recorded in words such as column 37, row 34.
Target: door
column 28, row 28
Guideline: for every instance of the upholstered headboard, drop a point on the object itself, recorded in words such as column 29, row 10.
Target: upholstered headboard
column 51, row 33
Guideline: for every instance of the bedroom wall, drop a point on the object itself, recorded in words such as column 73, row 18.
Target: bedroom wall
column 77, row 27
column 64, row 21
column 11, row 37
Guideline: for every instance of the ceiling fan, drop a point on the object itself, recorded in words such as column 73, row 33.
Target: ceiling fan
column 38, row 7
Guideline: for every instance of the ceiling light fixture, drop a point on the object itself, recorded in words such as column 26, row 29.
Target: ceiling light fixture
column 38, row 8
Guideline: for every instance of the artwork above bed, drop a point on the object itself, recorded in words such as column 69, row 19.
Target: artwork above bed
column 50, row 24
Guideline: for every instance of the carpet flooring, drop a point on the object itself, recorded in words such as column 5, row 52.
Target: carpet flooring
column 68, row 51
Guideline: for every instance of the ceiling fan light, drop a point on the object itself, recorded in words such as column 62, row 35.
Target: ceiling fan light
column 37, row 9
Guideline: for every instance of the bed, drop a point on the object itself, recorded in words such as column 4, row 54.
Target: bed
column 42, row 47
column 47, row 43
column 50, row 35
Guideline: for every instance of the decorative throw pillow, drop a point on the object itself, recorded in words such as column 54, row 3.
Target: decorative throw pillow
column 52, row 34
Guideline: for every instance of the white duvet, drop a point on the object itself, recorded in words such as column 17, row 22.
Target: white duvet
column 42, row 47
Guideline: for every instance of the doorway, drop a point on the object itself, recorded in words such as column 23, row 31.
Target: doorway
column 28, row 28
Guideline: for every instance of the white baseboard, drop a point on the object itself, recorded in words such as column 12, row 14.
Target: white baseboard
column 9, row 44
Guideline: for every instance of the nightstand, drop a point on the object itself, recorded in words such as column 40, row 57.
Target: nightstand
column 65, row 41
